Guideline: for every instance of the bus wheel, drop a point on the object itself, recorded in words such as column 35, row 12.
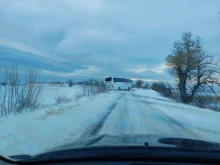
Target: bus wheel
column 129, row 88
column 119, row 88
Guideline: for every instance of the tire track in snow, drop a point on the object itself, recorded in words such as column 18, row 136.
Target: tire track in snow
column 94, row 128
column 169, row 120
column 177, row 124
column 99, row 125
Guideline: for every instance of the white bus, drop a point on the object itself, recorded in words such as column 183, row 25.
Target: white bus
column 116, row 83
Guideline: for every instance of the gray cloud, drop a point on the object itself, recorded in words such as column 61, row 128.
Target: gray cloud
column 105, row 37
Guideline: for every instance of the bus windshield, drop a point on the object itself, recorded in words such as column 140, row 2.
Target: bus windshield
column 108, row 79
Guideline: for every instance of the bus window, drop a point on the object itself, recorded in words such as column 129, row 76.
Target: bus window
column 120, row 80
column 116, row 79
column 108, row 79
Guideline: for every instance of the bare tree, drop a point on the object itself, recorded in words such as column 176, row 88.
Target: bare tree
column 15, row 97
column 146, row 86
column 139, row 83
column 193, row 68
column 30, row 92
column 8, row 93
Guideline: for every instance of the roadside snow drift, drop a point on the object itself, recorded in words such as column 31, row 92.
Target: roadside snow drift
column 204, row 122
column 44, row 129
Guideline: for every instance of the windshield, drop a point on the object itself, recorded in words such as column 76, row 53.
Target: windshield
column 96, row 72
column 108, row 79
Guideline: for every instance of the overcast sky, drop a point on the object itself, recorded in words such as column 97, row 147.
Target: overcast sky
column 106, row 37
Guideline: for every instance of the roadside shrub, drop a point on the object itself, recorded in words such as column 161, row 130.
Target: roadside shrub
column 101, row 88
column 163, row 88
column 78, row 95
column 176, row 96
column 146, row 86
column 139, row 83
column 62, row 99
column 16, row 98
column 84, row 90
column 3, row 83
column 70, row 83
column 200, row 101
column 90, row 90
column 207, row 101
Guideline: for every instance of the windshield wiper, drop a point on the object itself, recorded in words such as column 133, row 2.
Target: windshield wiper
column 189, row 143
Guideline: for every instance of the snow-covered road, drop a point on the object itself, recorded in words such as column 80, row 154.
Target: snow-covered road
column 132, row 115
column 116, row 113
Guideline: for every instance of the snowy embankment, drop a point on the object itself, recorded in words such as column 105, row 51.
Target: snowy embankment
column 45, row 128
column 150, row 94
column 204, row 122
column 50, row 93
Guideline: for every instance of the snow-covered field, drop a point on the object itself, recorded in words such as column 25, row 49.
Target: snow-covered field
column 136, row 112
column 50, row 93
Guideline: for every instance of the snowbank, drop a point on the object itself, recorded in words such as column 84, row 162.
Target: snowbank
column 149, row 93
column 204, row 122
column 43, row 129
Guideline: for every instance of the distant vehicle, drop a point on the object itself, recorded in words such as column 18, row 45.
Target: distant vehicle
column 116, row 83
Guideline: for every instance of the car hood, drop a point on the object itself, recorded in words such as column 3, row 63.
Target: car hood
column 117, row 144
column 155, row 140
